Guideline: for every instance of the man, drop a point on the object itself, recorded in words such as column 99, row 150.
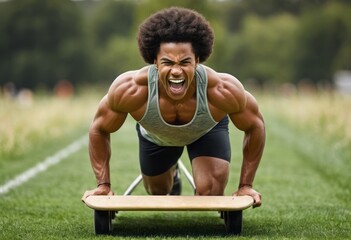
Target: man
column 179, row 102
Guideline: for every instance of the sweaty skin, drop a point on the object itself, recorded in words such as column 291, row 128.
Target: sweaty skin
column 176, row 63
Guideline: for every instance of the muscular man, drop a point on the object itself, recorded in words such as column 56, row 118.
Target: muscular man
column 177, row 102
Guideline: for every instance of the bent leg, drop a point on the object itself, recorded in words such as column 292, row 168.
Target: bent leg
column 160, row 184
column 157, row 165
column 210, row 175
column 210, row 159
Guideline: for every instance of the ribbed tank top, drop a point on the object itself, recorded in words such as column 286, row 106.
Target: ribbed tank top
column 155, row 129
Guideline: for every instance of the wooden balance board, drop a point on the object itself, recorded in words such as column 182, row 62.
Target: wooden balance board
column 230, row 208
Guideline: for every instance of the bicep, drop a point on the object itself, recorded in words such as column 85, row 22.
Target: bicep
column 249, row 117
column 107, row 120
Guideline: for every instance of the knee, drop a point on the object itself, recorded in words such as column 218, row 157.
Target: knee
column 210, row 175
column 156, row 189
column 209, row 188
column 203, row 190
column 158, row 185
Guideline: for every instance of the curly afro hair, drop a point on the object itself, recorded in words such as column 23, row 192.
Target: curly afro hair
column 175, row 24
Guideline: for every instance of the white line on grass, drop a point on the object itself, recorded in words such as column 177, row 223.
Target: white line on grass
column 44, row 165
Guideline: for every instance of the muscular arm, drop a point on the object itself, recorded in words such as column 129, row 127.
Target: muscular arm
column 250, row 120
column 105, row 122
column 126, row 96
column 227, row 96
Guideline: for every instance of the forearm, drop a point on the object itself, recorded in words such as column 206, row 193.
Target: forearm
column 253, row 146
column 100, row 152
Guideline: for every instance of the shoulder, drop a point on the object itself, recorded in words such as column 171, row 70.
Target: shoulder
column 128, row 91
column 131, row 78
column 225, row 92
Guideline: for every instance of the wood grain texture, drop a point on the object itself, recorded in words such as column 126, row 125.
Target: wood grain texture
column 169, row 203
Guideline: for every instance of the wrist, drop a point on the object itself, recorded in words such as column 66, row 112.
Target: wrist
column 104, row 184
column 245, row 185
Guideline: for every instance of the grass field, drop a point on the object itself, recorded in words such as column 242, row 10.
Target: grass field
column 304, row 179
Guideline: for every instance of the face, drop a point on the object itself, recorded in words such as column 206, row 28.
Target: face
column 176, row 63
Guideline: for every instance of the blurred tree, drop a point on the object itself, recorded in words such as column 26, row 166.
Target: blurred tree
column 110, row 28
column 42, row 43
column 112, row 18
column 262, row 50
column 119, row 55
column 271, row 7
column 148, row 7
column 233, row 13
column 324, row 40
column 4, row 46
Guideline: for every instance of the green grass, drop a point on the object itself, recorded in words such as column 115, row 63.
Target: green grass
column 25, row 127
column 304, row 195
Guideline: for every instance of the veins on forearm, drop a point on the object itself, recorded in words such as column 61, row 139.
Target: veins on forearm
column 99, row 151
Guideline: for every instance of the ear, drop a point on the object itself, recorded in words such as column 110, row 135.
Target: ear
column 197, row 60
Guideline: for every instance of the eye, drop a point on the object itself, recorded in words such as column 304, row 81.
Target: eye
column 167, row 63
column 184, row 63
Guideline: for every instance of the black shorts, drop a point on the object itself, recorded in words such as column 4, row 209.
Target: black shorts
column 155, row 159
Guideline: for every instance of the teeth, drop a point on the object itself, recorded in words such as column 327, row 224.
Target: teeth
column 176, row 80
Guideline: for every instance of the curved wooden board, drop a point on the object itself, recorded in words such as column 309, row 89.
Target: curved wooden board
column 169, row 203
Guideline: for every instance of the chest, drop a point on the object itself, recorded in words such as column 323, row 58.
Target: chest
column 182, row 113
column 177, row 113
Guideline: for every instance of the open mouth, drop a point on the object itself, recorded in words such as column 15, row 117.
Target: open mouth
column 176, row 85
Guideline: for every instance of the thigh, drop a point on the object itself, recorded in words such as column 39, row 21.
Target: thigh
column 215, row 143
column 156, row 160
column 210, row 158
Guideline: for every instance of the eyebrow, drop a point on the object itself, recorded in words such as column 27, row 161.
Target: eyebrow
column 167, row 59
column 186, row 59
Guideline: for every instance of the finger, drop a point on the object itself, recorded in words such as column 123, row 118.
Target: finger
column 256, row 204
column 257, row 201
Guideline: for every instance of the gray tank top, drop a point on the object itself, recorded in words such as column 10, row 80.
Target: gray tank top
column 155, row 129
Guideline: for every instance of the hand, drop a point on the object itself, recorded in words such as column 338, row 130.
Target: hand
column 101, row 190
column 247, row 190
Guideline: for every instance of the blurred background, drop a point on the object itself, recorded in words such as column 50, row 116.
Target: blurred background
column 58, row 58
column 61, row 45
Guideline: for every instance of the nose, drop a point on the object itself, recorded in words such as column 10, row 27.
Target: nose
column 176, row 70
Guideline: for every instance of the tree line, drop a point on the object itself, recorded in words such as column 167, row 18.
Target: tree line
column 91, row 42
